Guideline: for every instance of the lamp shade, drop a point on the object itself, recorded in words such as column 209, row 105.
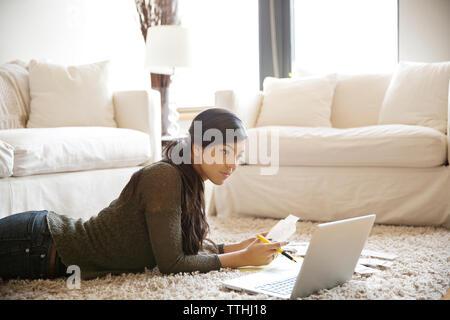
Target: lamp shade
column 167, row 47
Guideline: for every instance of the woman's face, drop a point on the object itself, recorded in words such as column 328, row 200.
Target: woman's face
column 218, row 162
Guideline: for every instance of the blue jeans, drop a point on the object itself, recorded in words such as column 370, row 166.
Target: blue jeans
column 25, row 247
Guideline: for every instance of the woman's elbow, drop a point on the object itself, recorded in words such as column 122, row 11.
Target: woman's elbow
column 168, row 268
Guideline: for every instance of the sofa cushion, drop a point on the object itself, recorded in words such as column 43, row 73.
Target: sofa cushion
column 70, row 96
column 379, row 146
column 6, row 159
column 297, row 102
column 357, row 99
column 418, row 95
column 49, row 150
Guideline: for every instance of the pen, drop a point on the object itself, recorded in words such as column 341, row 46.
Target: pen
column 260, row 237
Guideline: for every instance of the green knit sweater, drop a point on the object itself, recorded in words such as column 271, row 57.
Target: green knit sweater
column 146, row 232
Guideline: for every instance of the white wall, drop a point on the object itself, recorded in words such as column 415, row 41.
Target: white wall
column 424, row 30
column 75, row 32
column 84, row 31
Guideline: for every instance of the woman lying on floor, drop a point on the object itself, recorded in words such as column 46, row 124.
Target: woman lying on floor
column 157, row 220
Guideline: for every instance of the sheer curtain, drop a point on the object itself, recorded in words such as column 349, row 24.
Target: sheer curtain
column 224, row 35
column 348, row 36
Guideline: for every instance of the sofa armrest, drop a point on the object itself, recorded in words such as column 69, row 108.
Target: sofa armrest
column 141, row 110
column 448, row 125
column 246, row 107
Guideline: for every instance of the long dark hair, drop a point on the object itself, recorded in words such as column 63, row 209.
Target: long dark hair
column 193, row 217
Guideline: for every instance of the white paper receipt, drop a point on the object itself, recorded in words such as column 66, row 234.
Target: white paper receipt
column 284, row 229
column 373, row 262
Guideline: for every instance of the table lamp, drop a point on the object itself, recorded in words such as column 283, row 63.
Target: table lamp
column 167, row 48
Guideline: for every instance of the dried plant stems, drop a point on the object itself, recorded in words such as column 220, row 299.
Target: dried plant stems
column 155, row 13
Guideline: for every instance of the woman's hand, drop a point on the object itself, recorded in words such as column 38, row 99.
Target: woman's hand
column 259, row 253
column 242, row 245
column 245, row 243
column 250, row 252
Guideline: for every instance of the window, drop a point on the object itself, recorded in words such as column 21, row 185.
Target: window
column 347, row 36
column 224, row 36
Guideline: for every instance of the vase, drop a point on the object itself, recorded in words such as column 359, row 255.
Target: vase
column 169, row 114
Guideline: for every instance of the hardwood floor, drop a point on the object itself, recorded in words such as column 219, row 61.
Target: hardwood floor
column 446, row 296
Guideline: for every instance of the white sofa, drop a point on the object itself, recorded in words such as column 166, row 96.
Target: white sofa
column 356, row 167
column 77, row 171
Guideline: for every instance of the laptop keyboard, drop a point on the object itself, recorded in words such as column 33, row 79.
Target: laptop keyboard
column 283, row 287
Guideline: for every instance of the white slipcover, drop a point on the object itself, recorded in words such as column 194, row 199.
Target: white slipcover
column 80, row 194
column 63, row 96
column 358, row 99
column 379, row 146
column 302, row 102
column 49, row 150
column 6, row 159
column 417, row 95
column 413, row 196
column 317, row 185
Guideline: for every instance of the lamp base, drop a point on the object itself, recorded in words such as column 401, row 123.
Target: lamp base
column 169, row 114
column 172, row 126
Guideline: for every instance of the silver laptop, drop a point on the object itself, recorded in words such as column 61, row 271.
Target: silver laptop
column 330, row 260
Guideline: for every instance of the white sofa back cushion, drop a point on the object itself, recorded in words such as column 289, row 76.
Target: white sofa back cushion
column 357, row 99
column 417, row 95
column 297, row 101
column 70, row 96
column 50, row 150
column 6, row 159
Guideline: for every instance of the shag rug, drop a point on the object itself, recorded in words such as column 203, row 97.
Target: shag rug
column 420, row 271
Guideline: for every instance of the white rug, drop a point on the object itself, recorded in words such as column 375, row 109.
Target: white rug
column 420, row 271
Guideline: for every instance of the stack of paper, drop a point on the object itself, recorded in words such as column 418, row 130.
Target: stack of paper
column 285, row 228
column 364, row 266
